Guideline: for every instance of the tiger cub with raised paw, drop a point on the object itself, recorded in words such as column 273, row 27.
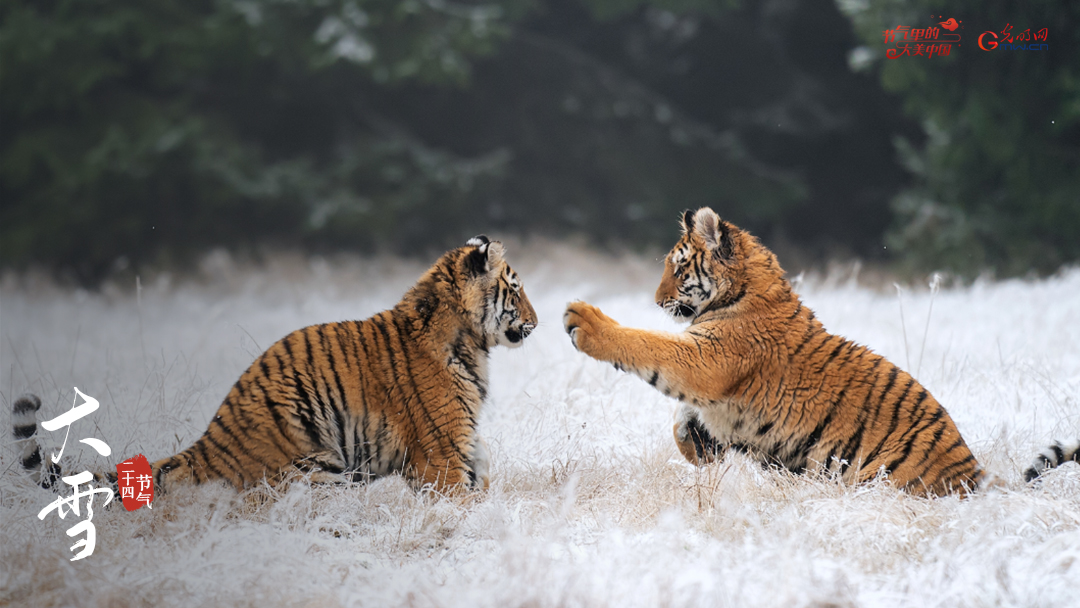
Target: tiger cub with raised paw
column 400, row 392
column 757, row 372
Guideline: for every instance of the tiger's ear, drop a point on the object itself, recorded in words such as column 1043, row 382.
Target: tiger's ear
column 687, row 221
column 715, row 232
column 487, row 255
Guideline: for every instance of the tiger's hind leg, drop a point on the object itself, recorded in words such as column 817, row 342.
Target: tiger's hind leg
column 695, row 443
column 325, row 467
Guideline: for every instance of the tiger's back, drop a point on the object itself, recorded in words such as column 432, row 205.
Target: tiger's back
column 321, row 400
column 398, row 392
column 822, row 402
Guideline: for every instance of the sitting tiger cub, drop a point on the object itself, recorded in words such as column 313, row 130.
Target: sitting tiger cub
column 757, row 372
column 399, row 392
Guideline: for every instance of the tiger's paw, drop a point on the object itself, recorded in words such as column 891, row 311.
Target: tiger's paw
column 695, row 443
column 585, row 324
column 481, row 466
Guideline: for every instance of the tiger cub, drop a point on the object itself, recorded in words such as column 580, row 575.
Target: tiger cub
column 398, row 393
column 756, row 371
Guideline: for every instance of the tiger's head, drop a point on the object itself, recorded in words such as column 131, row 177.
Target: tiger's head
column 713, row 266
column 493, row 295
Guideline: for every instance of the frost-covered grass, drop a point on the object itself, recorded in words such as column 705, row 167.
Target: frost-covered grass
column 590, row 503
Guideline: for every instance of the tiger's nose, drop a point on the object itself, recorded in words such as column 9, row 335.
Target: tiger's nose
column 526, row 329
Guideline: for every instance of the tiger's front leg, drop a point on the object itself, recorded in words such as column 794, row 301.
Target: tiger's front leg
column 444, row 475
column 687, row 366
column 481, row 465
column 449, row 474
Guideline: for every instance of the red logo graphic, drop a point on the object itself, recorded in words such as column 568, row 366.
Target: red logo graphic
column 991, row 43
column 136, row 483
column 988, row 41
column 912, row 41
column 950, row 25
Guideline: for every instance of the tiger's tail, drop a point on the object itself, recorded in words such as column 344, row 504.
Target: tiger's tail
column 48, row 474
column 25, row 428
column 1054, row 456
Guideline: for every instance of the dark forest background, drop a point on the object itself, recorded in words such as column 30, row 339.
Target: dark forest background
column 141, row 134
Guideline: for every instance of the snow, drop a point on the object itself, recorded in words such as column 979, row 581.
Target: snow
column 590, row 503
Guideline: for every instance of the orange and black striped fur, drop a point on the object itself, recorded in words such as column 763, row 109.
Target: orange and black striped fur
column 397, row 393
column 756, row 371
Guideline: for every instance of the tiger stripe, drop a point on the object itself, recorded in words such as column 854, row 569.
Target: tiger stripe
column 757, row 370
column 399, row 392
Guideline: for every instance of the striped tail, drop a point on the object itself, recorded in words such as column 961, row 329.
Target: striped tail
column 1053, row 456
column 24, row 427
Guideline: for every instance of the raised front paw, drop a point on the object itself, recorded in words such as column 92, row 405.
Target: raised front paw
column 586, row 324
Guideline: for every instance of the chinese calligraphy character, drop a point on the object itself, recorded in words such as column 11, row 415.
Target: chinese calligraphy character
column 938, row 49
column 145, row 481
column 73, row 506
column 127, row 489
column 72, row 503
column 89, row 406
column 894, row 53
column 930, row 33
column 901, row 30
column 1006, row 33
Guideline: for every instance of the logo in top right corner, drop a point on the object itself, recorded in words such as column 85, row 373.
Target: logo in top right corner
column 1008, row 41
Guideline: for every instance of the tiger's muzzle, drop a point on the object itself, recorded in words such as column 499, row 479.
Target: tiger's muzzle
column 516, row 334
column 677, row 309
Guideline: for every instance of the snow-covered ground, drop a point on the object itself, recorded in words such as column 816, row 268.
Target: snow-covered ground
column 590, row 504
